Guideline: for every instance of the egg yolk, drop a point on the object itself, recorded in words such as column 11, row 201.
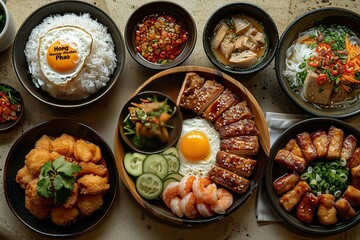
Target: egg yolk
column 194, row 146
column 62, row 57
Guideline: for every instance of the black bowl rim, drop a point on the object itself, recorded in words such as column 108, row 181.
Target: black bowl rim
column 128, row 141
column 288, row 219
column 279, row 76
column 94, row 97
column 247, row 71
column 9, row 125
column 180, row 59
column 116, row 179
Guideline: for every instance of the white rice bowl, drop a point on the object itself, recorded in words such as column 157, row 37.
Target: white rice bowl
column 98, row 67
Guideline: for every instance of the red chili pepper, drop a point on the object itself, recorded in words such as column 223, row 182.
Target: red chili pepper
column 335, row 69
column 322, row 79
column 349, row 67
column 313, row 61
column 323, row 48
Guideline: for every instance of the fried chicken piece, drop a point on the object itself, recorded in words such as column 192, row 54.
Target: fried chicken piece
column 35, row 159
column 87, row 204
column 71, row 201
column 86, row 151
column 23, row 177
column 44, row 142
column 93, row 184
column 92, row 168
column 38, row 206
column 64, row 145
column 64, row 216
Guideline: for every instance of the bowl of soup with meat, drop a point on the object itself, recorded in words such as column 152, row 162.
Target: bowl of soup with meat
column 240, row 38
column 318, row 62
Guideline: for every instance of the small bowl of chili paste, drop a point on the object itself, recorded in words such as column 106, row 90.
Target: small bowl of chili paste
column 11, row 107
column 160, row 35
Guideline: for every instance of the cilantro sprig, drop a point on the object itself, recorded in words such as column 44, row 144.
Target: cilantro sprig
column 10, row 93
column 56, row 180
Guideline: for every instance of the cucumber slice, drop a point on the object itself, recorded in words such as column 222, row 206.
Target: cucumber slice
column 157, row 164
column 149, row 186
column 171, row 150
column 133, row 163
column 173, row 163
column 177, row 176
column 168, row 180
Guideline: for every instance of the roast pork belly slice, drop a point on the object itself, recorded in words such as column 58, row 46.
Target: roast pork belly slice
column 286, row 182
column 192, row 82
column 290, row 199
column 233, row 114
column 241, row 145
column 223, row 102
column 293, row 147
column 244, row 127
column 229, row 180
column 241, row 25
column 290, row 161
column 307, row 147
column 239, row 165
column 336, row 136
column 348, row 148
column 321, row 142
column 243, row 59
column 315, row 93
column 354, row 161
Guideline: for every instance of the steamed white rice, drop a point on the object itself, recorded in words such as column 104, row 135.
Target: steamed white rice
column 98, row 67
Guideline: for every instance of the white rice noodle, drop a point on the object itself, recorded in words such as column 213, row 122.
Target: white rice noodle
column 98, row 67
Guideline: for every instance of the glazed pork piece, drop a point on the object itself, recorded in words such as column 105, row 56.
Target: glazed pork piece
column 192, row 82
column 307, row 147
column 236, row 164
column 286, row 182
column 290, row 161
column 352, row 195
column 223, row 102
column 240, row 145
column 245, row 127
column 233, row 114
column 321, row 143
column 355, row 177
column 344, row 209
column 355, row 159
column 293, row 147
column 306, row 209
column 348, row 147
column 326, row 211
column 229, row 180
column 336, row 137
column 290, row 199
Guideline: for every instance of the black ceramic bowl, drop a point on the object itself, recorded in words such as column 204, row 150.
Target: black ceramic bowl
column 160, row 7
column 15, row 195
column 273, row 172
column 308, row 20
column 62, row 7
column 249, row 10
column 17, row 96
column 175, row 121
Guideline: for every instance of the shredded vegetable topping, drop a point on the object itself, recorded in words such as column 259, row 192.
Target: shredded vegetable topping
column 327, row 177
column 10, row 105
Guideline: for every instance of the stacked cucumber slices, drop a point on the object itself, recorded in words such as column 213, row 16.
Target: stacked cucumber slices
column 153, row 172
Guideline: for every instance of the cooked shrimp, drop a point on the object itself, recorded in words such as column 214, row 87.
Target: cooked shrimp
column 225, row 200
column 188, row 206
column 186, row 184
column 171, row 191
column 205, row 209
column 175, row 206
column 205, row 190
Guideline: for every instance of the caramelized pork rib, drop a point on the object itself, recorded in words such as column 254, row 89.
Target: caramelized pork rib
column 306, row 146
column 285, row 183
column 241, row 145
column 352, row 195
column 245, row 127
column 348, row 147
column 355, row 159
column 233, row 114
column 290, row 199
column 223, row 102
column 326, row 211
column 344, row 209
column 293, row 147
column 321, row 142
column 336, row 137
column 290, row 161
column 306, row 209
column 191, row 83
column 236, row 164
column 229, row 180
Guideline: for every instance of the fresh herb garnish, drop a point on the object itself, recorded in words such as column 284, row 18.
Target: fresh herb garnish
column 10, row 94
column 56, row 180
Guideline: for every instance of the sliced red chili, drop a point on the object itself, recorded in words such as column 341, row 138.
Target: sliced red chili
column 349, row 67
column 323, row 48
column 335, row 69
column 322, row 79
column 313, row 61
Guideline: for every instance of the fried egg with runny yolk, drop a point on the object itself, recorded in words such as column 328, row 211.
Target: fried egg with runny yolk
column 197, row 147
column 63, row 52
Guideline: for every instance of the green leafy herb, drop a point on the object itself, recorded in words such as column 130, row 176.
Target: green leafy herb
column 10, row 93
column 56, row 180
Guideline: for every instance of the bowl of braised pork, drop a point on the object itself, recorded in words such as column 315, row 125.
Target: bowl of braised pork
column 317, row 63
column 313, row 175
column 240, row 38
